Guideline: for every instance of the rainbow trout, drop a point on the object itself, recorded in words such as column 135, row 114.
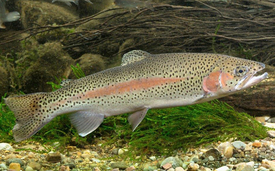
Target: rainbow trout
column 142, row 82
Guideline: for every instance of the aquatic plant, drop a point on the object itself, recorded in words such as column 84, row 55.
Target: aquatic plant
column 77, row 71
column 7, row 120
column 165, row 130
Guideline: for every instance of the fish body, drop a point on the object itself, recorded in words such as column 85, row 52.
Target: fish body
column 143, row 81
column 7, row 16
column 68, row 2
column 132, row 4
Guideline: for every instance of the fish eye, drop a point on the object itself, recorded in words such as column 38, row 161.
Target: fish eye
column 240, row 71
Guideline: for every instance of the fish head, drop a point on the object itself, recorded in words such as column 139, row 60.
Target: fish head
column 232, row 74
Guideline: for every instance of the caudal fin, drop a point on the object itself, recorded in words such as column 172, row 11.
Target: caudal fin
column 29, row 114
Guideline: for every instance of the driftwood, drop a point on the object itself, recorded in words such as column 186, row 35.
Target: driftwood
column 235, row 28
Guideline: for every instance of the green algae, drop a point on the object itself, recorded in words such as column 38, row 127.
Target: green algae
column 7, row 120
column 165, row 130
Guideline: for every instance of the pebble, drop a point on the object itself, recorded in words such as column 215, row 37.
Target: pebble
column 242, row 156
column 239, row 145
column 179, row 169
column 223, row 168
column 35, row 165
column 257, row 144
column 120, row 151
column 167, row 166
column 193, row 167
column 54, row 157
column 96, row 169
column 214, row 153
column 120, row 165
column 14, row 167
column 132, row 168
column 271, row 133
column 14, row 160
column 175, row 161
column 153, row 158
column 3, row 166
column 6, row 146
column 28, row 168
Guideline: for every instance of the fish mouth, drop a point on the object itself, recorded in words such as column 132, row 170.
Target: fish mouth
column 251, row 79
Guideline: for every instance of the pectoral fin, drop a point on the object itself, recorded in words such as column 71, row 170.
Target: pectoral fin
column 135, row 118
column 86, row 121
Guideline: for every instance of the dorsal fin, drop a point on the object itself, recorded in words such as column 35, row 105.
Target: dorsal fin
column 134, row 56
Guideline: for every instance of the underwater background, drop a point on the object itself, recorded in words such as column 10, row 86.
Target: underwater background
column 54, row 41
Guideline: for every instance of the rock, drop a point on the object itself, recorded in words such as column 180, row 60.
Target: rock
column 95, row 160
column 86, row 154
column 149, row 167
column 175, row 161
column 271, row 133
column 96, row 169
column 115, row 151
column 211, row 158
column 179, row 169
column 87, row 9
column 3, row 166
column 153, row 158
column 10, row 156
column 132, row 168
column 71, row 165
column 44, row 13
column 171, row 169
column 5, row 146
column 223, row 168
column 244, row 167
column 120, row 151
column 216, row 155
column 64, row 168
column 167, row 166
column 205, row 169
column 91, row 63
column 256, row 144
column 53, row 157
column 270, row 125
column 14, row 167
column 269, row 163
column 4, row 82
column 53, row 62
column 28, row 168
column 226, row 149
column 193, row 167
column 239, row 145
column 120, row 165
column 14, row 160
column 35, row 165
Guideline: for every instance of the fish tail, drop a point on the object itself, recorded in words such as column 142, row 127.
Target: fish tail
column 30, row 113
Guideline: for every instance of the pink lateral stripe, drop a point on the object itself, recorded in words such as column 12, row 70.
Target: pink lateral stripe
column 129, row 86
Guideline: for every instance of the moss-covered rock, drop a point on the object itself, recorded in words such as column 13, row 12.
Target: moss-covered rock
column 91, row 63
column 87, row 9
column 53, row 62
column 3, row 81
column 35, row 13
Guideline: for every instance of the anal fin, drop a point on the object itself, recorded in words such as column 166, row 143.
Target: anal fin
column 86, row 122
column 135, row 118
